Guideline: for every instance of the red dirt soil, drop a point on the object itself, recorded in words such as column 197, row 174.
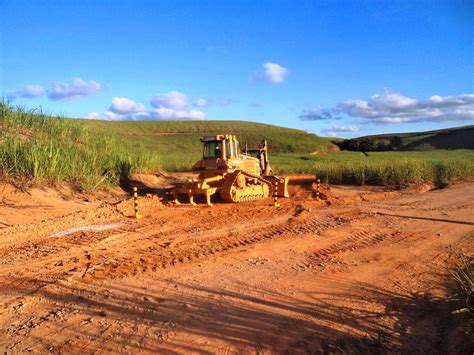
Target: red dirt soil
column 365, row 270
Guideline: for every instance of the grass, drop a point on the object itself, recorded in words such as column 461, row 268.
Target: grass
column 37, row 148
column 464, row 277
column 90, row 154
column 381, row 168
column 154, row 133
column 447, row 138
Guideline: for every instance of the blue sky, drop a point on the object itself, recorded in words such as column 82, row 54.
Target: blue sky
column 343, row 68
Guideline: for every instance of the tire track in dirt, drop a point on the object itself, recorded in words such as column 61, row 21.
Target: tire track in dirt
column 208, row 244
column 358, row 240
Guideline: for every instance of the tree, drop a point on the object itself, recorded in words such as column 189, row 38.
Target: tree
column 396, row 143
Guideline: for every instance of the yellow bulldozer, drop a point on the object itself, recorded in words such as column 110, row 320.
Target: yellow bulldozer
column 237, row 176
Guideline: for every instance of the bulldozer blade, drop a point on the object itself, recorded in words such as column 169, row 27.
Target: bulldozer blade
column 282, row 187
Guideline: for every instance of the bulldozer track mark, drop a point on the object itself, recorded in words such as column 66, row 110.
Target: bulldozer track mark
column 212, row 245
column 360, row 239
column 187, row 244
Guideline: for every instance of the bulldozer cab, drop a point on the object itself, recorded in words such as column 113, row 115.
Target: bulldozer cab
column 212, row 150
column 221, row 147
column 262, row 155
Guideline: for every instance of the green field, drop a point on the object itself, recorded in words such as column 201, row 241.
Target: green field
column 381, row 168
column 91, row 154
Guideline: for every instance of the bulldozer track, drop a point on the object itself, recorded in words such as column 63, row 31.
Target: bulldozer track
column 230, row 179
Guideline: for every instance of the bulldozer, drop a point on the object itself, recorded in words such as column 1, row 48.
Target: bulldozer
column 237, row 176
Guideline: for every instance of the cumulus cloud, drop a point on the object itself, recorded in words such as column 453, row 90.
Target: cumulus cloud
column 334, row 130
column 172, row 114
column 107, row 115
column 340, row 129
column 77, row 87
column 274, row 73
column 171, row 106
column 125, row 106
column 27, row 92
column 154, row 114
column 201, row 102
column 316, row 113
column 396, row 108
column 173, row 100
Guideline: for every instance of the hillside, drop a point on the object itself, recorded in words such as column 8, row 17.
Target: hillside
column 183, row 136
column 35, row 147
column 178, row 144
column 448, row 138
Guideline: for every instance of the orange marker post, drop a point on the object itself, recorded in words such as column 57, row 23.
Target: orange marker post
column 135, row 201
column 318, row 186
column 275, row 199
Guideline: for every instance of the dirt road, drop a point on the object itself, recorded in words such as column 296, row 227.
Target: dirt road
column 363, row 271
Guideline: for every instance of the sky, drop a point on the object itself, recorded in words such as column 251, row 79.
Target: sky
column 333, row 68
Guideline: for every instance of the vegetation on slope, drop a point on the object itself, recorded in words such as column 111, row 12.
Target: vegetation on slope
column 449, row 138
column 90, row 154
column 382, row 168
column 35, row 147
column 178, row 144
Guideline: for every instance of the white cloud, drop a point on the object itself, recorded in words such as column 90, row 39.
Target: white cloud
column 201, row 102
column 107, row 115
column 396, row 108
column 148, row 115
column 78, row 87
column 170, row 107
column 125, row 106
column 340, row 129
column 27, row 92
column 274, row 73
column 93, row 116
column 174, row 100
column 334, row 130
column 164, row 113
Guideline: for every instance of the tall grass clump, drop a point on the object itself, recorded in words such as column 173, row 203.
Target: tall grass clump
column 37, row 148
column 464, row 277
column 381, row 168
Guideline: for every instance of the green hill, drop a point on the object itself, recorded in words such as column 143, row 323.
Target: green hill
column 178, row 145
column 169, row 137
column 448, row 138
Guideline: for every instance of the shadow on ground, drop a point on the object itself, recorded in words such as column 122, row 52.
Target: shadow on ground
column 177, row 317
